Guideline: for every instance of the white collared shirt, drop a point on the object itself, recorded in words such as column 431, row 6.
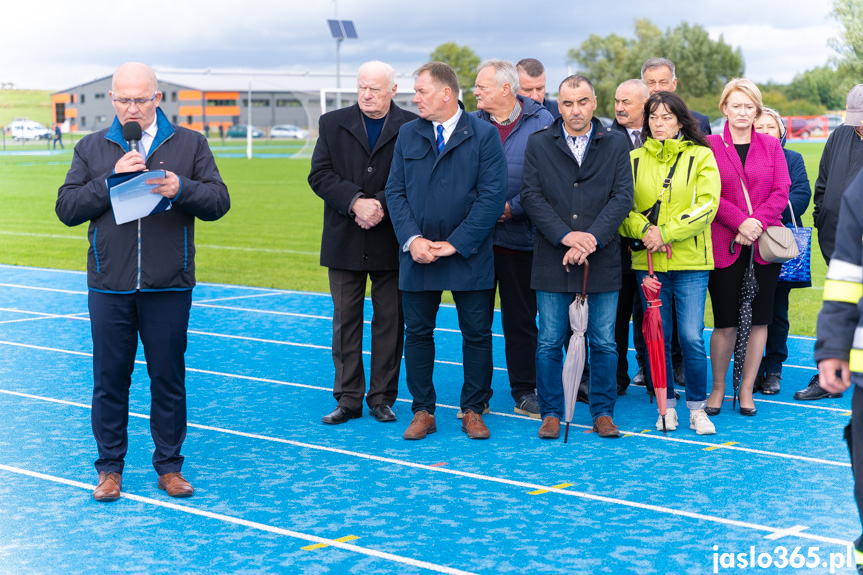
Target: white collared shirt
column 448, row 126
column 147, row 138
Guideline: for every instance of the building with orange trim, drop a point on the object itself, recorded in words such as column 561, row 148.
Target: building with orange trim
column 209, row 101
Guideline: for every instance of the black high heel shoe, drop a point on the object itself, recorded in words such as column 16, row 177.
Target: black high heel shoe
column 748, row 411
column 711, row 411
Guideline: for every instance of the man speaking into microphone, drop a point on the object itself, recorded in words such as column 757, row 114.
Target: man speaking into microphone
column 141, row 273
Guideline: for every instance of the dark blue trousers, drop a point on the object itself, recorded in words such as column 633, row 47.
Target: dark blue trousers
column 474, row 320
column 161, row 319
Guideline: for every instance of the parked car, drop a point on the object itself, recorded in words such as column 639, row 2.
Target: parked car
column 28, row 130
column 801, row 127
column 606, row 122
column 717, row 126
column 289, row 131
column 240, row 130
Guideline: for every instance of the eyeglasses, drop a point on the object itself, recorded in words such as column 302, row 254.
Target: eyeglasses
column 136, row 101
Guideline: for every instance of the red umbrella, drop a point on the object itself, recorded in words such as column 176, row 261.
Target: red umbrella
column 654, row 339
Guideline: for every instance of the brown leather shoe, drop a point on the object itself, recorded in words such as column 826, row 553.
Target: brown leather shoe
column 473, row 425
column 175, row 484
column 422, row 424
column 550, row 428
column 108, row 488
column 605, row 427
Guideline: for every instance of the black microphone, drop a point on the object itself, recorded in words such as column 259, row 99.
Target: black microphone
column 132, row 134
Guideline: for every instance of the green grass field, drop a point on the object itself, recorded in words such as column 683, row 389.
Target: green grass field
column 270, row 238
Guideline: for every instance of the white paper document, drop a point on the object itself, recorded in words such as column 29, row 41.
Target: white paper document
column 132, row 198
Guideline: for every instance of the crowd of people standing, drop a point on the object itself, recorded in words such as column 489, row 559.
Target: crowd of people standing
column 518, row 198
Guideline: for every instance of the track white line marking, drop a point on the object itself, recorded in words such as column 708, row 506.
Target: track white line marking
column 480, row 477
column 245, row 523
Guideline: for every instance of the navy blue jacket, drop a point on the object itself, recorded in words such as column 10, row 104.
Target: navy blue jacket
column 703, row 122
column 157, row 252
column 552, row 107
column 456, row 196
column 560, row 196
column 517, row 233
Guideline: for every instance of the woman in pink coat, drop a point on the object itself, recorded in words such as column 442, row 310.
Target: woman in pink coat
column 755, row 160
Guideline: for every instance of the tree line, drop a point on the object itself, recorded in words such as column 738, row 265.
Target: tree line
column 703, row 65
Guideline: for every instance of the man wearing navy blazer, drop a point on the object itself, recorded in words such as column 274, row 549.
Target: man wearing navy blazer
column 350, row 166
column 446, row 190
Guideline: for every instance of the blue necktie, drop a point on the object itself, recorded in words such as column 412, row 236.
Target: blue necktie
column 440, row 141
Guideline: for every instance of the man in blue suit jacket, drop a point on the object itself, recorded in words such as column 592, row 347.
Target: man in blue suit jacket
column 446, row 190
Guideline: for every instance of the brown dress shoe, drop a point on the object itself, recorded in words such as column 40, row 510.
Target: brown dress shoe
column 175, row 484
column 550, row 428
column 473, row 425
column 605, row 427
column 108, row 488
column 422, row 424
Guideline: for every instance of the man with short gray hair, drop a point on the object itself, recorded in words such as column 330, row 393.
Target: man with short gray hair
column 515, row 117
column 350, row 166
column 659, row 75
column 531, row 78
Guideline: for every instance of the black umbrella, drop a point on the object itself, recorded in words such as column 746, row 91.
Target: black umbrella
column 748, row 291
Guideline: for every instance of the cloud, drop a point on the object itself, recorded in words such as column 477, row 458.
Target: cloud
column 779, row 37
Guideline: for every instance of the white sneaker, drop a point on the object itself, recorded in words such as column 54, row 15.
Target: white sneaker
column 670, row 420
column 699, row 421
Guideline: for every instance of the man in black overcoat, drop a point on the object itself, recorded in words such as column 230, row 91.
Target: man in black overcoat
column 350, row 166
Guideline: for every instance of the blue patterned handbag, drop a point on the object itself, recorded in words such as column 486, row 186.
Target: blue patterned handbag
column 798, row 270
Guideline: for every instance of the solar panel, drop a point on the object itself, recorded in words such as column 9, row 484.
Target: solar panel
column 336, row 29
column 350, row 30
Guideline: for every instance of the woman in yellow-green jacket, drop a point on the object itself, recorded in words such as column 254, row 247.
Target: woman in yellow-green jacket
column 676, row 167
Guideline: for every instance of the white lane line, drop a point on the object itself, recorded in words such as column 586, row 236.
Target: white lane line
column 679, row 440
column 305, row 315
column 41, row 316
column 481, row 477
column 807, row 405
column 201, row 303
column 74, row 292
column 245, row 523
column 260, row 250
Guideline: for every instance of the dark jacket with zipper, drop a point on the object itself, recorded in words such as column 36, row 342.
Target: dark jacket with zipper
column 157, row 252
column 560, row 196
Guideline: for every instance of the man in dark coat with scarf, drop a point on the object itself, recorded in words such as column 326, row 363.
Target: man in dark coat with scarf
column 350, row 166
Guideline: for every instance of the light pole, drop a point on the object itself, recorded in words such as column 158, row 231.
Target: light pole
column 340, row 29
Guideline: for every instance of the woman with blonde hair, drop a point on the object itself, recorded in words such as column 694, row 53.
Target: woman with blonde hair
column 755, row 185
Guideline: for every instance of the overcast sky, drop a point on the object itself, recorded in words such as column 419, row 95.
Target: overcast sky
column 49, row 44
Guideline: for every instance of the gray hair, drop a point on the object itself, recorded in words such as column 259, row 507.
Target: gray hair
column 658, row 63
column 381, row 67
column 504, row 73
column 636, row 83
column 778, row 118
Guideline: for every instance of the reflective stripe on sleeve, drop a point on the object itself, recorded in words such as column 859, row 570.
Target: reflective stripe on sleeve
column 843, row 291
column 855, row 362
column 845, row 272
